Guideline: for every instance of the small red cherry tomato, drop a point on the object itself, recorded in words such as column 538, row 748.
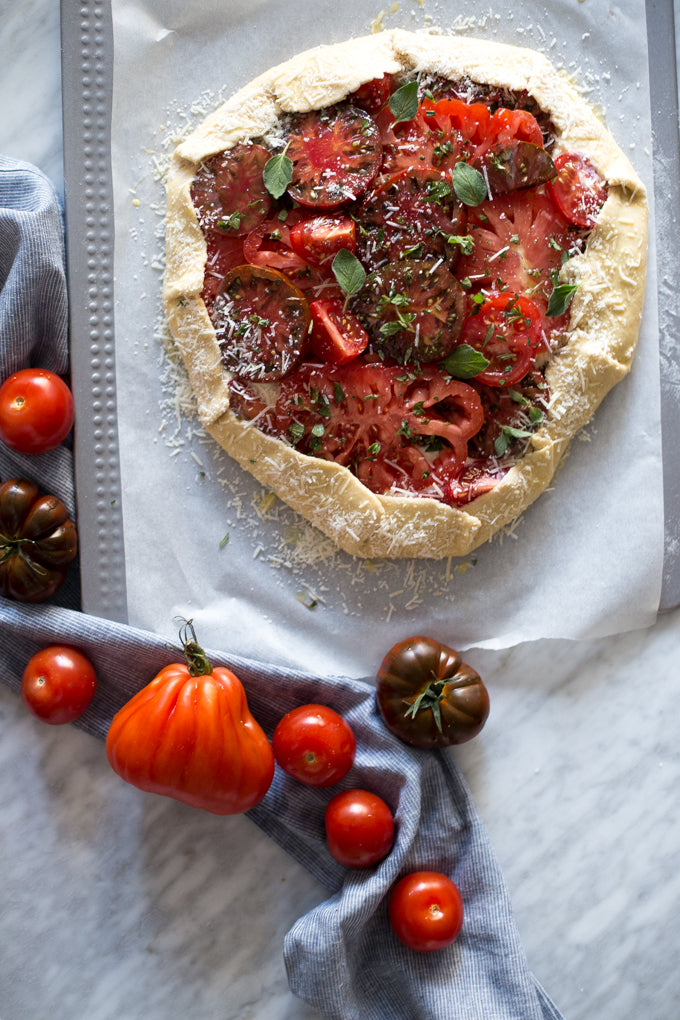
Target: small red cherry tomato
column 337, row 335
column 36, row 411
column 58, row 684
column 314, row 745
column 426, row 911
column 578, row 190
column 359, row 828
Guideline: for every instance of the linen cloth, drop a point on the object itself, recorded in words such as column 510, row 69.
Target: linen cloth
column 341, row 957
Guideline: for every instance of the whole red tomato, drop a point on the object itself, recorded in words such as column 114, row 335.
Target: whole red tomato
column 314, row 745
column 359, row 828
column 426, row 911
column 58, row 684
column 189, row 734
column 36, row 411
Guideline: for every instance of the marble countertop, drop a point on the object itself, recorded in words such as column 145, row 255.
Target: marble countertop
column 119, row 905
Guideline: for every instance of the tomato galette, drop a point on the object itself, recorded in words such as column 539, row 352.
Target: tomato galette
column 402, row 272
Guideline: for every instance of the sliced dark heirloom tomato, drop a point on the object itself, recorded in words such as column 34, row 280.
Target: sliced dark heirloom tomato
column 337, row 334
column 507, row 166
column 261, row 321
column 411, row 215
column 578, row 190
column 428, row 697
column 228, row 190
column 336, row 154
column 507, row 330
column 510, row 416
column 413, row 310
column 374, row 419
column 318, row 239
column 37, row 542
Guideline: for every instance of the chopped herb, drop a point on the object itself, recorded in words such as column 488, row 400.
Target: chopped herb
column 306, row 599
column 224, row 541
column 296, row 431
column 232, row 222
column 465, row 243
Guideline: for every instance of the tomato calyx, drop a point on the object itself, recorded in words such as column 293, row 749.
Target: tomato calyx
column 430, row 698
column 197, row 661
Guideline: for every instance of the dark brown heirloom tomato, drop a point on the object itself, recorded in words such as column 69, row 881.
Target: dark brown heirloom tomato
column 428, row 697
column 37, row 541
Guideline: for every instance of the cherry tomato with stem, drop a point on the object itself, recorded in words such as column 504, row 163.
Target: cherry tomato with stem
column 359, row 828
column 426, row 911
column 36, row 411
column 314, row 745
column 58, row 684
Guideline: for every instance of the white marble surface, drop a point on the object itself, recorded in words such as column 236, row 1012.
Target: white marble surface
column 118, row 905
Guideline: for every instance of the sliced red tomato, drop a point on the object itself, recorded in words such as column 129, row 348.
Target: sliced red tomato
column 507, row 330
column 336, row 154
column 373, row 94
column 268, row 246
column 411, row 215
column 228, row 190
column 578, row 190
column 476, row 478
column 505, row 125
column 337, row 335
column 425, row 141
column 413, row 310
column 318, row 239
column 262, row 323
column 223, row 254
column 519, row 240
column 379, row 421
column 472, row 120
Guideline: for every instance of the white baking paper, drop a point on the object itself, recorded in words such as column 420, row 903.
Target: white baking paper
column 204, row 540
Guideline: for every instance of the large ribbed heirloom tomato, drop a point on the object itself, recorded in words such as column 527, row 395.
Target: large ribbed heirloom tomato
column 189, row 734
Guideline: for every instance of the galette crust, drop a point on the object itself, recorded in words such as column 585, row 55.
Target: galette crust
column 605, row 312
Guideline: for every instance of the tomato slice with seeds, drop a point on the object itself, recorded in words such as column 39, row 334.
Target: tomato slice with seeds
column 510, row 414
column 507, row 166
column 411, row 215
column 261, row 321
column 337, row 335
column 521, row 125
column 578, row 190
column 228, row 191
column 336, row 155
column 507, row 330
column 413, row 310
column 318, row 239
column 519, row 241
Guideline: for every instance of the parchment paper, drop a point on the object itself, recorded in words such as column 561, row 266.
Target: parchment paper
column 202, row 539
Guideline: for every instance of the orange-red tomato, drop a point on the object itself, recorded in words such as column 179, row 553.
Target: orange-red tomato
column 426, row 911
column 190, row 735
column 58, row 684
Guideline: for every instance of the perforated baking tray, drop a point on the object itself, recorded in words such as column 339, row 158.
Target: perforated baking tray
column 87, row 58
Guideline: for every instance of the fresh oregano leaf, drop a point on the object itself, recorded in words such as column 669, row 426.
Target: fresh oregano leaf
column 469, row 184
column 277, row 174
column 464, row 362
column 560, row 299
column 404, row 102
column 349, row 272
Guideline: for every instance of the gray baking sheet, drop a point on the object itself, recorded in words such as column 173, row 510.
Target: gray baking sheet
column 87, row 84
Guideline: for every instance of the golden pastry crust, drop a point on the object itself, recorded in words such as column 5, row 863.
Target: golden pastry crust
column 604, row 320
